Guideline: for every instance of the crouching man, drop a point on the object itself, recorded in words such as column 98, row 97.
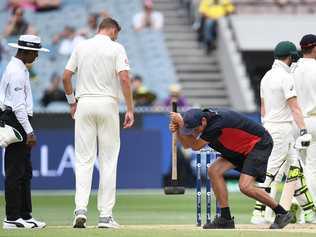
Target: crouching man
column 244, row 145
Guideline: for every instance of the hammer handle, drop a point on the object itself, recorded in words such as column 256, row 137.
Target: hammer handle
column 174, row 148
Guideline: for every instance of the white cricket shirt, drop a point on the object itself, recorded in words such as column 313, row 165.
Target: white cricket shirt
column 98, row 61
column 305, row 83
column 277, row 86
column 15, row 91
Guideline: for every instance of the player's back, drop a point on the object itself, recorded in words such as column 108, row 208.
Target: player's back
column 305, row 83
column 276, row 87
column 233, row 119
column 233, row 134
column 97, row 74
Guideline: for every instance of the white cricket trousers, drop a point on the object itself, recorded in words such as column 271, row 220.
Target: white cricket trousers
column 283, row 147
column 310, row 157
column 97, row 129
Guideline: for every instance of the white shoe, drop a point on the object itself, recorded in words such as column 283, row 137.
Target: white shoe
column 108, row 222
column 258, row 218
column 80, row 219
column 19, row 223
column 37, row 224
column 310, row 217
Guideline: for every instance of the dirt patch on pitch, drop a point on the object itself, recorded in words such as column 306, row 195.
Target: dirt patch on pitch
column 296, row 228
column 306, row 228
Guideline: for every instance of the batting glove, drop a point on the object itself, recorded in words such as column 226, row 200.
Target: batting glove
column 303, row 141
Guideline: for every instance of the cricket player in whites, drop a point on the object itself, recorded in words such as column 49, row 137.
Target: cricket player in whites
column 279, row 107
column 305, row 83
column 102, row 67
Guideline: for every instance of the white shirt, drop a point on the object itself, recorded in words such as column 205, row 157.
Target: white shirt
column 98, row 61
column 156, row 19
column 277, row 86
column 305, row 83
column 15, row 91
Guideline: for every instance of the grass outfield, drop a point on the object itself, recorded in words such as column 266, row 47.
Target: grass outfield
column 144, row 213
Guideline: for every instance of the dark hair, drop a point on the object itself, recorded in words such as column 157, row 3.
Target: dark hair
column 308, row 50
column 108, row 23
column 138, row 78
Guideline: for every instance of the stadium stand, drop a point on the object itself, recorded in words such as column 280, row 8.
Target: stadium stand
column 200, row 75
column 246, row 40
column 174, row 55
column 146, row 50
column 259, row 25
column 275, row 6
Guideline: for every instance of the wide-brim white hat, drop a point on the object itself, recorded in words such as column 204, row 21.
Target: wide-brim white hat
column 29, row 42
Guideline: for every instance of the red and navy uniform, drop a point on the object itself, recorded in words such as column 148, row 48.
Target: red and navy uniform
column 238, row 138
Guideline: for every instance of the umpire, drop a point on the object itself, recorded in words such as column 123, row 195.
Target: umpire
column 16, row 105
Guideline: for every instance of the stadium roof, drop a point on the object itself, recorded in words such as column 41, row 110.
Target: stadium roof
column 263, row 32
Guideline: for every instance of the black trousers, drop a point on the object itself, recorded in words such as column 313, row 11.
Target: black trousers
column 18, row 174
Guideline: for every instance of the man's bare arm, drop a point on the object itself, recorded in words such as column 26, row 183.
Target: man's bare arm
column 296, row 112
column 69, row 92
column 127, row 90
column 189, row 141
column 67, row 82
column 127, row 93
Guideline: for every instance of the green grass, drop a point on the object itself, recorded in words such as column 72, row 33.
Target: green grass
column 155, row 213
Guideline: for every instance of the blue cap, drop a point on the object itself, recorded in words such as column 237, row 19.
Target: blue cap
column 192, row 119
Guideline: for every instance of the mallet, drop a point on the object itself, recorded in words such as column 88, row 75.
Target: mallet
column 174, row 188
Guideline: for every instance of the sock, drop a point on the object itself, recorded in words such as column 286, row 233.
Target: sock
column 279, row 210
column 225, row 213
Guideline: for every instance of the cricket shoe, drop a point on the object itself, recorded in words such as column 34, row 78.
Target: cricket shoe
column 80, row 218
column 17, row 224
column 258, row 218
column 107, row 222
column 37, row 224
column 310, row 217
column 220, row 223
column 281, row 220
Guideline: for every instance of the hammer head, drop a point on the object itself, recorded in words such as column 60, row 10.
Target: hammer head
column 174, row 190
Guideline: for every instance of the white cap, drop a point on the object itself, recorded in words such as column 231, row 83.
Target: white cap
column 29, row 42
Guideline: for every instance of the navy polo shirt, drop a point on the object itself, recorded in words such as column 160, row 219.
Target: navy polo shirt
column 233, row 134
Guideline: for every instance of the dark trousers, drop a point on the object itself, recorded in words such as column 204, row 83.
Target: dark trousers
column 18, row 174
